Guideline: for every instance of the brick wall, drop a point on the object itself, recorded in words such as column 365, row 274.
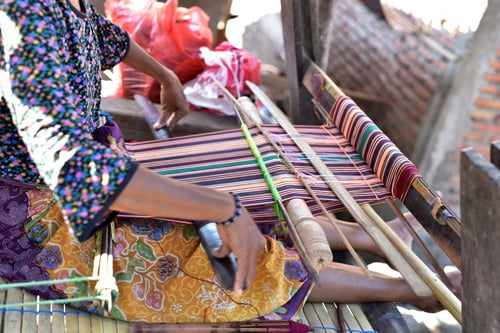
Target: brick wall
column 370, row 56
column 485, row 117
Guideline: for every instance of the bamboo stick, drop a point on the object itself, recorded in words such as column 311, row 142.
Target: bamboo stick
column 253, row 326
column 443, row 294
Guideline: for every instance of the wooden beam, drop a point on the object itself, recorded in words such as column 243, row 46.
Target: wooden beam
column 298, row 40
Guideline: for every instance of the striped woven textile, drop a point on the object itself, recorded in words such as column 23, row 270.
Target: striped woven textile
column 388, row 162
column 223, row 161
column 384, row 158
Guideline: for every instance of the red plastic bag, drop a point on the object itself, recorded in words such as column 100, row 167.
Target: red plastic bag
column 232, row 67
column 173, row 35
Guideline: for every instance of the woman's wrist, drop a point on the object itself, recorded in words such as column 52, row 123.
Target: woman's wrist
column 238, row 208
column 166, row 77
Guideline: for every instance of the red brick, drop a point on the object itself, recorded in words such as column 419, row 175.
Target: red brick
column 421, row 107
column 490, row 89
column 495, row 65
column 430, row 84
column 440, row 65
column 495, row 78
column 405, row 77
column 481, row 127
column 412, row 57
column 474, row 137
column 487, row 103
column 483, row 115
column 483, row 150
column 413, row 114
column 422, row 92
column 460, row 147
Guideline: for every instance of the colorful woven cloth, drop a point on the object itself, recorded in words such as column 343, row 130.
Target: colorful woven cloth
column 162, row 271
column 384, row 158
column 380, row 153
column 222, row 160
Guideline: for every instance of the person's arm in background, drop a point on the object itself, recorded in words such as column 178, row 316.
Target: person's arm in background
column 173, row 101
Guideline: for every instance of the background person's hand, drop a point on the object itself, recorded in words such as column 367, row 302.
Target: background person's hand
column 246, row 242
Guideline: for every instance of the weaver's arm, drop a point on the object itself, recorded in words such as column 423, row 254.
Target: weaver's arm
column 151, row 194
column 173, row 101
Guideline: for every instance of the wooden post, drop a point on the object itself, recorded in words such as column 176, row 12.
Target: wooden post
column 298, row 39
column 480, row 195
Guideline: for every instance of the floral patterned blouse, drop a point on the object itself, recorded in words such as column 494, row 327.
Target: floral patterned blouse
column 51, row 56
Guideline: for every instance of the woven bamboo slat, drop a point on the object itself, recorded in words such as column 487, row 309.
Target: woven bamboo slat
column 56, row 318
column 65, row 319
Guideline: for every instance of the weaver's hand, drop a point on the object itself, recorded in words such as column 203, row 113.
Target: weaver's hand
column 174, row 105
column 244, row 239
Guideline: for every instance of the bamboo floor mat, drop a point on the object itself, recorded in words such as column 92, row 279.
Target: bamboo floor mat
column 55, row 318
column 65, row 319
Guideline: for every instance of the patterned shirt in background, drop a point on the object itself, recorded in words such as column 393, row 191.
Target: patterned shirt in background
column 51, row 56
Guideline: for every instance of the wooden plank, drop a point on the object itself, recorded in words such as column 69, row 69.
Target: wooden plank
column 97, row 325
column 13, row 317
column 70, row 319
column 381, row 316
column 298, row 36
column 84, row 323
column 324, row 315
column 312, row 318
column 385, row 317
column 127, row 114
column 44, row 318
column 332, row 310
column 122, row 326
column 350, row 321
column 362, row 320
column 419, row 203
column 28, row 323
column 479, row 197
column 130, row 117
column 57, row 318
column 109, row 325
column 303, row 318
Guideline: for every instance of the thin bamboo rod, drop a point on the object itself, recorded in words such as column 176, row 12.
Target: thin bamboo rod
column 443, row 294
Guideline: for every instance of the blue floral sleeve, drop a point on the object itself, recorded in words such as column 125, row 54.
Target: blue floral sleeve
column 114, row 41
column 41, row 97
